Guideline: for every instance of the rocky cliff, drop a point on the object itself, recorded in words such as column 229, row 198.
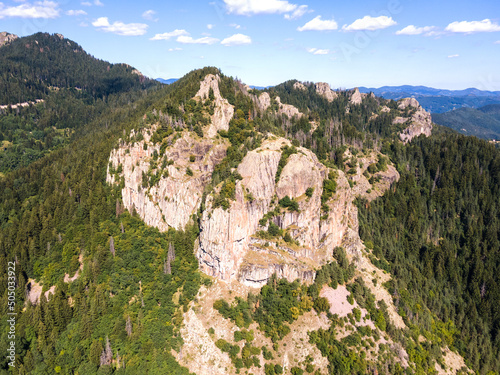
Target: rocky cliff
column 177, row 193
column 230, row 246
column 323, row 89
column 223, row 111
column 164, row 183
column 6, row 38
column 420, row 120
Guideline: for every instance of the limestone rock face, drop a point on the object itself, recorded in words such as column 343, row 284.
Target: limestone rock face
column 299, row 86
column 408, row 102
column 225, row 234
column 288, row 109
column 356, row 97
column 227, row 246
column 264, row 101
column 223, row 111
column 421, row 121
column 176, row 196
column 6, row 38
column 324, row 90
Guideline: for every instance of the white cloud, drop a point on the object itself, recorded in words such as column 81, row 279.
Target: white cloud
column 167, row 36
column 497, row 42
column 318, row 24
column 453, row 56
column 210, row 26
column 89, row 4
column 297, row 13
column 149, row 15
column 120, row 28
column 237, row 40
column 185, row 39
column 235, row 25
column 76, row 13
column 39, row 9
column 370, row 23
column 174, row 49
column 251, row 7
column 317, row 51
column 473, row 26
column 413, row 30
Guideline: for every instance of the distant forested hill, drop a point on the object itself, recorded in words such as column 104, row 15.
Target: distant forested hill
column 483, row 122
column 75, row 88
column 33, row 66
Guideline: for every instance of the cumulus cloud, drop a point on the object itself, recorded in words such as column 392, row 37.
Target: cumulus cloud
column 39, row 9
column 297, row 13
column 467, row 27
column 453, row 56
column 76, row 13
column 370, row 23
column 413, row 30
column 149, row 15
column 320, row 25
column 252, row 7
column 186, row 39
column 237, row 40
column 317, row 51
column 98, row 3
column 120, row 28
column 167, row 36
column 235, row 25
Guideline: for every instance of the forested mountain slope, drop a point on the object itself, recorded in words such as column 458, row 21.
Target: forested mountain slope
column 243, row 266
column 482, row 122
column 49, row 88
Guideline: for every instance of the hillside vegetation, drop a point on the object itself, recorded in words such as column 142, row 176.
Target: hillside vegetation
column 436, row 231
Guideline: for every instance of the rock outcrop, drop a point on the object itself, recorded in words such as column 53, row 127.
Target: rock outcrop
column 177, row 194
column 421, row 121
column 299, row 86
column 228, row 247
column 288, row 109
column 408, row 102
column 323, row 89
column 223, row 111
column 6, row 38
column 264, row 101
column 356, row 97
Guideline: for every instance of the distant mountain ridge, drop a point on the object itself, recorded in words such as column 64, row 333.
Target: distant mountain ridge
column 167, row 81
column 438, row 100
column 426, row 91
column 482, row 122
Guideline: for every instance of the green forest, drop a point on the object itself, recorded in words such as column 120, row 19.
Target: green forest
column 436, row 230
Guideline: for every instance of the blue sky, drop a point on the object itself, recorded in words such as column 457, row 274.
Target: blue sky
column 443, row 43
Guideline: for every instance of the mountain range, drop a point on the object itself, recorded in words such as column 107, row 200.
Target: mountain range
column 202, row 227
column 438, row 100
